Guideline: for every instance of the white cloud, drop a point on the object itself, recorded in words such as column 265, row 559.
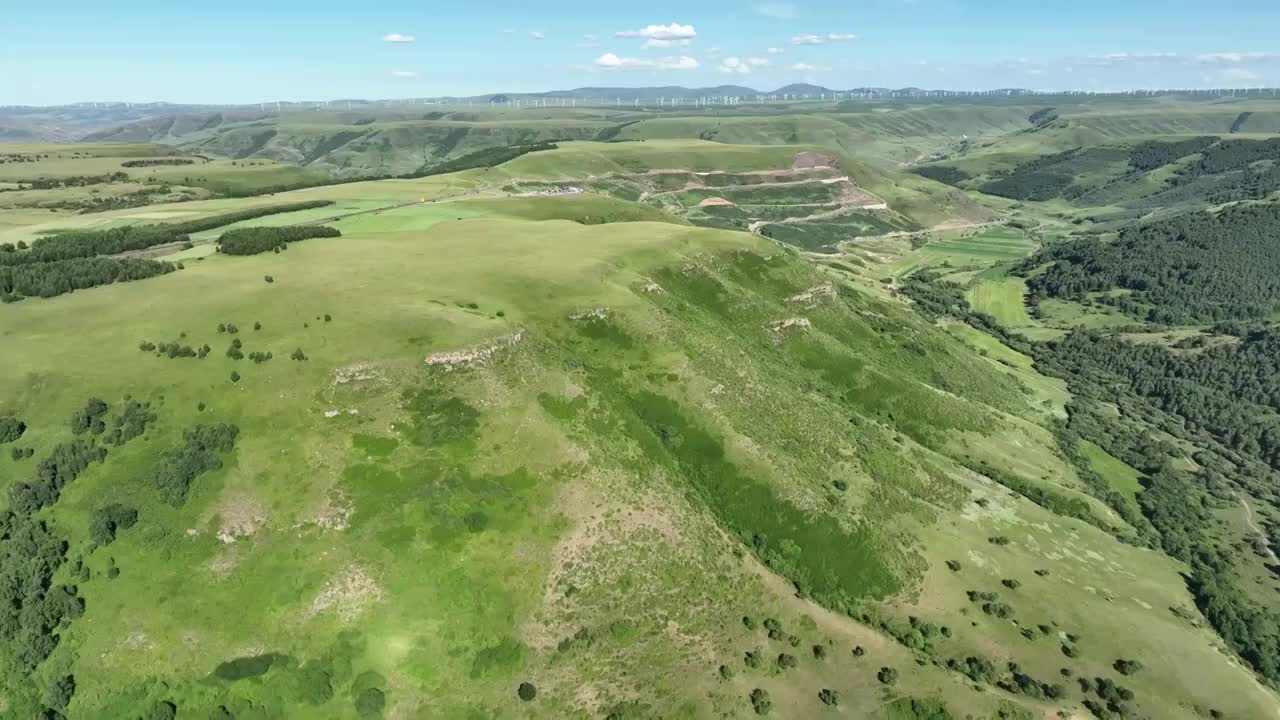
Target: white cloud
column 775, row 51
column 1235, row 58
column 1142, row 56
column 652, row 43
column 713, row 52
column 776, row 10
column 1240, row 75
column 404, row 73
column 674, row 31
column 741, row 66
column 610, row 61
column 823, row 39
column 398, row 38
column 806, row 67
column 589, row 37
column 537, row 34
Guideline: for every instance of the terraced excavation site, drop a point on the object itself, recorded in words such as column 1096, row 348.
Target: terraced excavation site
column 928, row 410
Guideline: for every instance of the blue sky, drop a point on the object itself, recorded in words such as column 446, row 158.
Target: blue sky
column 239, row 51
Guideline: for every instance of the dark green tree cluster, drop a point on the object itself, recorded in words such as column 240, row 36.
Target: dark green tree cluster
column 156, row 162
column 11, row 428
column 486, row 158
column 256, row 240
column 179, row 467
column 90, row 418
column 1147, row 156
column 50, row 279
column 75, row 181
column 1194, row 267
column 1229, row 393
column 32, row 607
column 1230, row 155
column 130, row 423
column 111, row 241
column 943, row 173
column 53, row 473
column 110, row 519
column 1033, row 186
column 73, row 260
column 171, row 350
column 760, row 701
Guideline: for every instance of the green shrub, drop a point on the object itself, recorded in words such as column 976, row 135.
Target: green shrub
column 887, row 676
column 163, row 710
column 526, row 691
column 108, row 520
column 760, row 701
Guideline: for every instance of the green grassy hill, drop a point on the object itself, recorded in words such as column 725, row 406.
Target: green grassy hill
column 501, row 449
column 526, row 450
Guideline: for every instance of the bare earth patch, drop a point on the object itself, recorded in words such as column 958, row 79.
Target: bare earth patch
column 348, row 595
column 716, row 202
column 475, row 356
column 815, row 296
column 781, row 326
column 241, row 515
column 357, row 372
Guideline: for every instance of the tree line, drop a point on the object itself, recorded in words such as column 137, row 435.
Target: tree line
column 255, row 240
column 88, row 243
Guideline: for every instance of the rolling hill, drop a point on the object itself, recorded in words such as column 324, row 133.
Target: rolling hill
column 713, row 416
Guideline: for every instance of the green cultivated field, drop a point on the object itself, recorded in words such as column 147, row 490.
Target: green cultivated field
column 1001, row 299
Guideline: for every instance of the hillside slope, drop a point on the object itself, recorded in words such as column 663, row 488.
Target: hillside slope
column 553, row 469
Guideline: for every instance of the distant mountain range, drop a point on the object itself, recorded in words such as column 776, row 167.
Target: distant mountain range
column 81, row 120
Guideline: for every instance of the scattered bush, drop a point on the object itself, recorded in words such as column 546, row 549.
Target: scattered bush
column 526, row 691
column 18, row 453
column 748, row 622
column 887, row 676
column 298, row 355
column 268, row 278
column 786, row 662
column 1127, row 667
column 752, row 659
column 998, row 540
column 954, row 565
column 1011, row 583
column 726, row 672
column 819, row 652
